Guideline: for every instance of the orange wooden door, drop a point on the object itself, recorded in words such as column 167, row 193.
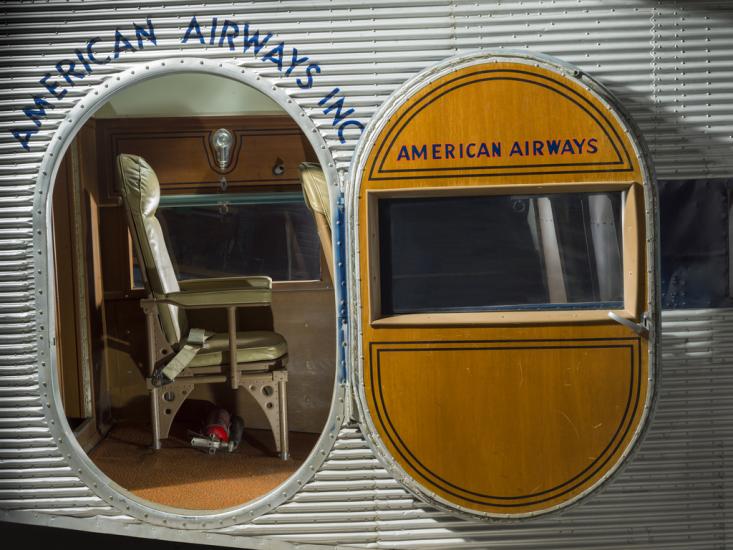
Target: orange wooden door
column 491, row 378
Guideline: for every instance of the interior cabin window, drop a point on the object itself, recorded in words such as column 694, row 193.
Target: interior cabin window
column 249, row 233
column 521, row 252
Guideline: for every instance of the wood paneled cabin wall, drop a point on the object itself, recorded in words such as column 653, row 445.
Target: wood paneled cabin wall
column 80, row 326
column 67, row 307
column 179, row 151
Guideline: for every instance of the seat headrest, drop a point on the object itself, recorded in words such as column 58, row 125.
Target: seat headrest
column 139, row 184
column 315, row 189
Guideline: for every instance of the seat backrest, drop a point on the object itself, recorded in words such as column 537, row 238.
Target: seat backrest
column 141, row 195
column 315, row 190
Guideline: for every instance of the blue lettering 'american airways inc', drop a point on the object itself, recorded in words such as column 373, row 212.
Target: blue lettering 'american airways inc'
column 236, row 37
column 497, row 149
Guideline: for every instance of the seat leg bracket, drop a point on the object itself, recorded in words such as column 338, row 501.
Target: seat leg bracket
column 269, row 391
column 166, row 402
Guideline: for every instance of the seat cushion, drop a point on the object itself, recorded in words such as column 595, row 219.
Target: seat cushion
column 252, row 346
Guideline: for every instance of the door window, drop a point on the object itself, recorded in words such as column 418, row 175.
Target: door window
column 493, row 252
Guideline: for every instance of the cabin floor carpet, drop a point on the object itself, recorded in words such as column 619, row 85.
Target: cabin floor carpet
column 180, row 476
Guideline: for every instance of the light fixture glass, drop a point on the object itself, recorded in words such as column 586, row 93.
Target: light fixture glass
column 223, row 143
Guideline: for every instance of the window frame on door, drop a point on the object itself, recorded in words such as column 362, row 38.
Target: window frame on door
column 632, row 231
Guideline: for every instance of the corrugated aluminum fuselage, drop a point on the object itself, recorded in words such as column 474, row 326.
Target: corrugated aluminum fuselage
column 668, row 63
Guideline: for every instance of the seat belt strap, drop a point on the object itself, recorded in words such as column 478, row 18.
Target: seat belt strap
column 195, row 342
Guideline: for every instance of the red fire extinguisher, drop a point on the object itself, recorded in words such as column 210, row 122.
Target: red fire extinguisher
column 221, row 431
column 217, row 425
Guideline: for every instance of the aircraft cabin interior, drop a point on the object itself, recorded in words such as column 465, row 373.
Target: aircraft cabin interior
column 180, row 217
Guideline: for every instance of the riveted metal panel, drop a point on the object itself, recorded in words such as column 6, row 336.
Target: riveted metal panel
column 669, row 62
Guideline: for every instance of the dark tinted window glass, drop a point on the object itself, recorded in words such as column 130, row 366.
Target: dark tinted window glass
column 492, row 252
column 695, row 243
column 253, row 234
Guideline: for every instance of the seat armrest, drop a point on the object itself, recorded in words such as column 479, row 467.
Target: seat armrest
column 198, row 299
column 226, row 283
